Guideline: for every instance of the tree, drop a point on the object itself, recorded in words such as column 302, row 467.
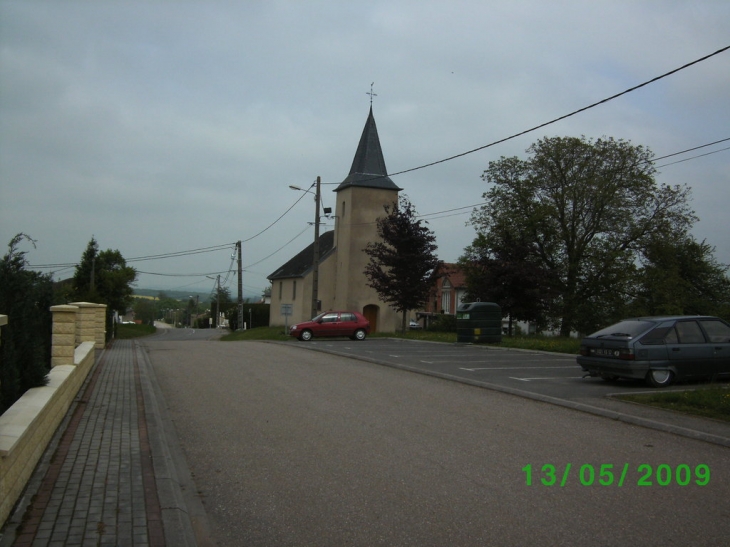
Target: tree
column 587, row 207
column 145, row 310
column 511, row 275
column 402, row 266
column 104, row 278
column 681, row 276
column 26, row 298
column 220, row 302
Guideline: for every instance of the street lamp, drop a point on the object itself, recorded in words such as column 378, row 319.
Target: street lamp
column 315, row 257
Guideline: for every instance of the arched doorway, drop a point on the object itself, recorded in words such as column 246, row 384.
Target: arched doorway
column 371, row 314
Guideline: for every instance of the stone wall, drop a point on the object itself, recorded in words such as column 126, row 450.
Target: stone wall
column 28, row 426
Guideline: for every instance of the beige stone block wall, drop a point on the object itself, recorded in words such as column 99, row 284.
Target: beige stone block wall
column 100, row 326
column 85, row 321
column 91, row 326
column 63, row 336
column 27, row 427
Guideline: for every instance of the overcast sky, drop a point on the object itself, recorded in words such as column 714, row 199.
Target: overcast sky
column 166, row 126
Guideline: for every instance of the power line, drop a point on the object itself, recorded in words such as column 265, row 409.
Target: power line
column 695, row 157
column 279, row 249
column 181, row 253
column 184, row 275
column 593, row 105
column 691, row 149
column 494, row 143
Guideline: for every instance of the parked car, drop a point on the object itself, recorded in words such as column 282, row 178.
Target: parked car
column 415, row 325
column 333, row 323
column 658, row 349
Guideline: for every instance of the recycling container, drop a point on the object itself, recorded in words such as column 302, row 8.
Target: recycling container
column 478, row 322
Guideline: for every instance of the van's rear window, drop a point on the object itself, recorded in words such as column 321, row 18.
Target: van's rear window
column 629, row 329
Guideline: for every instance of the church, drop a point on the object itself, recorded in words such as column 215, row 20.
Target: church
column 342, row 285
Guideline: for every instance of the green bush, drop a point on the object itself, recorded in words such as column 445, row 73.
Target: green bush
column 25, row 352
column 258, row 316
column 443, row 323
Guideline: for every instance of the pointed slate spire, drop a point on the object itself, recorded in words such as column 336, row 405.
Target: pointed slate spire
column 368, row 167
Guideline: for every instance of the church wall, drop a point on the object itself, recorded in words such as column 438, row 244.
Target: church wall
column 356, row 210
column 290, row 291
column 302, row 304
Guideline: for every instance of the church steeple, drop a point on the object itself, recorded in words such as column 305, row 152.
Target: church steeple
column 368, row 167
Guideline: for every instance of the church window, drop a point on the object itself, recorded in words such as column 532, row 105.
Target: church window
column 294, row 291
column 343, row 208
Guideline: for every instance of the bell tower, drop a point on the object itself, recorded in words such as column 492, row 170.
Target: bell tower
column 360, row 201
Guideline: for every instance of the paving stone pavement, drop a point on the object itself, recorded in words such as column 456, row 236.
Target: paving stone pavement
column 96, row 483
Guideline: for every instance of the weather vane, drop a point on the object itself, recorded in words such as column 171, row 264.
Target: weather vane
column 371, row 93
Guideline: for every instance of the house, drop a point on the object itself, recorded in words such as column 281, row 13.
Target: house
column 342, row 285
column 448, row 291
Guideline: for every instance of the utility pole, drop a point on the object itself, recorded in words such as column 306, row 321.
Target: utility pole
column 315, row 258
column 240, row 288
column 218, row 304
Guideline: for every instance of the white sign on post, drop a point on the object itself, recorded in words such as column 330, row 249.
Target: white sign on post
column 286, row 312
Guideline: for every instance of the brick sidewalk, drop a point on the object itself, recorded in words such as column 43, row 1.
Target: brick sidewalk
column 98, row 488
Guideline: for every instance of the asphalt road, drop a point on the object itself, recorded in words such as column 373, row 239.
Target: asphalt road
column 294, row 447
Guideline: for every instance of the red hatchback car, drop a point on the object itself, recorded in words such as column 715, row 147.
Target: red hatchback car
column 333, row 323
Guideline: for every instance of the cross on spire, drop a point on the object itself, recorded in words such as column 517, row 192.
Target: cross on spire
column 371, row 93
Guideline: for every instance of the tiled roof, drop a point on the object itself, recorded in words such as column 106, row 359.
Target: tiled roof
column 301, row 264
column 453, row 272
column 368, row 167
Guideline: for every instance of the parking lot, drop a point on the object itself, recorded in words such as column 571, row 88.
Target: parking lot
column 550, row 377
column 552, row 374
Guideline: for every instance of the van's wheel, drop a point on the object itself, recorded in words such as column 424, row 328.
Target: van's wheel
column 360, row 334
column 660, row 378
column 306, row 336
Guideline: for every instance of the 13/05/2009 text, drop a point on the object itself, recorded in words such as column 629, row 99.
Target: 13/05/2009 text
column 608, row 474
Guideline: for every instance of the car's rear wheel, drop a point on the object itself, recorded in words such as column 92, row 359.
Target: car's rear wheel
column 359, row 334
column 306, row 336
column 660, row 378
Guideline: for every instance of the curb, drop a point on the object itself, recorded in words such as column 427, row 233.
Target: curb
column 183, row 515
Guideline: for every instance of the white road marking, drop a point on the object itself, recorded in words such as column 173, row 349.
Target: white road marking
column 530, row 379
column 551, row 378
column 508, row 368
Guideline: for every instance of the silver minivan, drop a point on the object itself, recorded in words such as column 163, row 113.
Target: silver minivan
column 658, row 349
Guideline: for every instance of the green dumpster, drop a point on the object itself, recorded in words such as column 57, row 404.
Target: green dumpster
column 478, row 322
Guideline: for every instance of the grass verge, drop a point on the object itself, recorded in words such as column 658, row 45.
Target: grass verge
column 711, row 402
column 258, row 333
column 542, row 343
column 125, row 332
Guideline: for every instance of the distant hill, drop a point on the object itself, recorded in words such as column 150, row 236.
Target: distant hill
column 177, row 295
column 185, row 295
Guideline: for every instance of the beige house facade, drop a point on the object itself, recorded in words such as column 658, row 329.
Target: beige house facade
column 360, row 201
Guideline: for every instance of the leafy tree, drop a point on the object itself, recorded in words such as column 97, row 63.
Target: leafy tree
column 145, row 310
column 104, row 277
column 511, row 275
column 220, row 302
column 681, row 276
column 26, row 298
column 165, row 305
column 402, row 266
column 587, row 207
